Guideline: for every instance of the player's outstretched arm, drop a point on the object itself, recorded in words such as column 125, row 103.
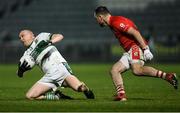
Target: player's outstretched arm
column 56, row 38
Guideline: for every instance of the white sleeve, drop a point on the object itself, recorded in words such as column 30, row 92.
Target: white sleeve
column 44, row 36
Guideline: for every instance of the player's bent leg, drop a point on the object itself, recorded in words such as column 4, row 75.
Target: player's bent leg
column 79, row 86
column 116, row 71
column 37, row 91
column 41, row 91
column 152, row 72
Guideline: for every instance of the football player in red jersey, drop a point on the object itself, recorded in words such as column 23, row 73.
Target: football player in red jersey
column 136, row 51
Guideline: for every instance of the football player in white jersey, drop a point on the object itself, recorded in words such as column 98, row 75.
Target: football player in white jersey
column 56, row 69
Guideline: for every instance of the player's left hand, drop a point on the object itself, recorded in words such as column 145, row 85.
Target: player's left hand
column 147, row 54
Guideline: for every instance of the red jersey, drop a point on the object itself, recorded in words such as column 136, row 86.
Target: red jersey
column 119, row 25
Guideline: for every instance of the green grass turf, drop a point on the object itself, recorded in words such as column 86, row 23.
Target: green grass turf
column 144, row 93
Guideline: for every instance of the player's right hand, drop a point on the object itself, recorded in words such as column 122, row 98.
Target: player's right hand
column 22, row 68
column 147, row 54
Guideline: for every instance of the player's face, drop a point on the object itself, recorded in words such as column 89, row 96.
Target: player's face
column 26, row 38
column 100, row 21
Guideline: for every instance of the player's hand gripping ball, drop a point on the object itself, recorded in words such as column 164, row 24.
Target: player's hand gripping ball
column 29, row 59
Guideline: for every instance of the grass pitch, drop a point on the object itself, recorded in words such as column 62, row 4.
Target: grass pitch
column 144, row 93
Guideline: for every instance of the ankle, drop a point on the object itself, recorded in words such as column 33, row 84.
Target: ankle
column 82, row 88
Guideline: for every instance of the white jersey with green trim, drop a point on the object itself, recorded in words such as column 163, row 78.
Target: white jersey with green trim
column 40, row 46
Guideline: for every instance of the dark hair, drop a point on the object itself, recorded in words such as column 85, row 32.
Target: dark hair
column 101, row 10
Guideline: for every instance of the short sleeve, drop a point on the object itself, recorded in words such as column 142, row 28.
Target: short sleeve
column 44, row 36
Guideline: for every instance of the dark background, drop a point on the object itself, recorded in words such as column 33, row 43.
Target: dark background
column 85, row 41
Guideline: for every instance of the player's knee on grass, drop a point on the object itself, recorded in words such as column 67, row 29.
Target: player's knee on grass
column 31, row 96
column 28, row 96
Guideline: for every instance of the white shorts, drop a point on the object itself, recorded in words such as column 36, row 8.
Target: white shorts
column 134, row 55
column 55, row 71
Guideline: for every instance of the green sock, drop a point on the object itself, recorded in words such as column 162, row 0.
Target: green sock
column 51, row 96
